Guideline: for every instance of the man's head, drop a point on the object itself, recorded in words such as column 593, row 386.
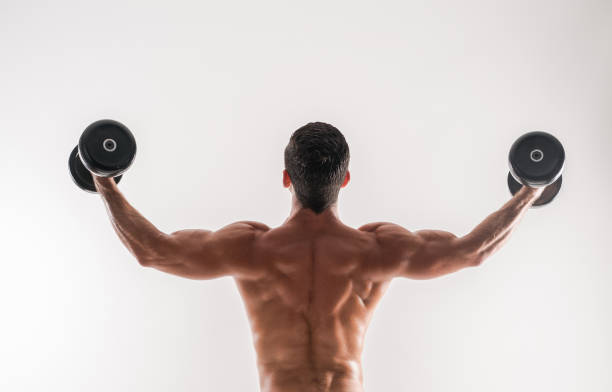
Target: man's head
column 316, row 164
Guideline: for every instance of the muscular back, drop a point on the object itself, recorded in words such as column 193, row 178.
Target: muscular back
column 310, row 308
column 310, row 287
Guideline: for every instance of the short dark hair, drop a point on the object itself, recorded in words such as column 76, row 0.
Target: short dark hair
column 317, row 159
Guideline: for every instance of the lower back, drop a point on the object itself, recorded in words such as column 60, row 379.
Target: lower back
column 344, row 377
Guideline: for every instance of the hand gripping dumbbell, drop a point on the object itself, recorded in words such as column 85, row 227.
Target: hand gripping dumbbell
column 536, row 159
column 106, row 148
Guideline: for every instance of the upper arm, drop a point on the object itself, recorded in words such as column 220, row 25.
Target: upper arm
column 205, row 254
column 423, row 254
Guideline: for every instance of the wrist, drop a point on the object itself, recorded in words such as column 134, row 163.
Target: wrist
column 532, row 191
column 533, row 194
column 104, row 184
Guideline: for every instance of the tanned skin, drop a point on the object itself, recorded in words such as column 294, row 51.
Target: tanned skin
column 310, row 286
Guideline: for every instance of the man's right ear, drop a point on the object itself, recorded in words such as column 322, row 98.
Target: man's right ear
column 286, row 179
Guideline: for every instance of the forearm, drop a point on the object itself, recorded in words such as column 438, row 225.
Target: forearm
column 139, row 235
column 494, row 231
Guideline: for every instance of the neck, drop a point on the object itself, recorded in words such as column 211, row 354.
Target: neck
column 298, row 212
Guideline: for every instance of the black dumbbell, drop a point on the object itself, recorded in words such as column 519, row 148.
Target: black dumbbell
column 536, row 159
column 106, row 148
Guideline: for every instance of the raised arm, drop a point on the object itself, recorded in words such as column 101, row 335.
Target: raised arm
column 193, row 254
column 427, row 254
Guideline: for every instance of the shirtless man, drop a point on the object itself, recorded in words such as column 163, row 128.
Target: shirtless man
column 310, row 286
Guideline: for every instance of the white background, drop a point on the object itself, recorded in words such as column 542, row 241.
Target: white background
column 429, row 95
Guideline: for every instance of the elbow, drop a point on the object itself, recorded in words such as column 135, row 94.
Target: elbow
column 476, row 259
column 471, row 251
column 155, row 253
column 151, row 258
column 146, row 260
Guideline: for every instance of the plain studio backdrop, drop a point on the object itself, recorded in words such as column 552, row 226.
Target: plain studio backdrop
column 429, row 95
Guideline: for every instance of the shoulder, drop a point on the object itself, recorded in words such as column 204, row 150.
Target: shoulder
column 371, row 227
column 391, row 237
column 247, row 226
column 385, row 229
column 392, row 247
column 237, row 234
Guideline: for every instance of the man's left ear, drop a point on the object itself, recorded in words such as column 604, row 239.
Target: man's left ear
column 346, row 179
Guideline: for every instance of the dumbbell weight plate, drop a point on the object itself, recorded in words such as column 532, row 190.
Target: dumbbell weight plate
column 80, row 175
column 536, row 159
column 546, row 197
column 107, row 148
